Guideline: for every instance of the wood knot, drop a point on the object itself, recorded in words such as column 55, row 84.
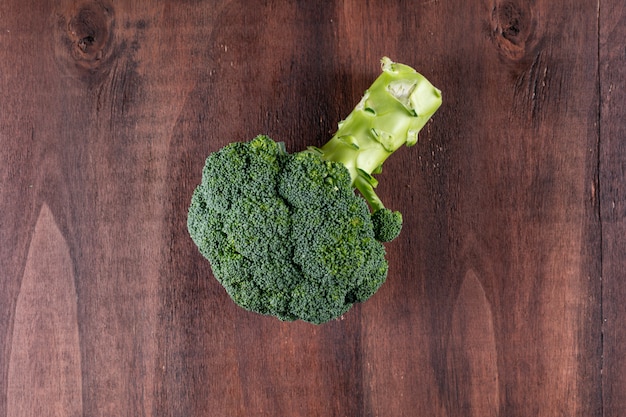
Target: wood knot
column 85, row 36
column 89, row 32
column 512, row 28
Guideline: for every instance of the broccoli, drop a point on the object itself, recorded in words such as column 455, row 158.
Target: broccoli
column 286, row 234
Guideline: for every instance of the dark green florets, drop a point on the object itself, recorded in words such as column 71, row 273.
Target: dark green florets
column 285, row 233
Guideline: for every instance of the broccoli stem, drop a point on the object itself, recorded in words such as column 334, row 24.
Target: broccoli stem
column 390, row 114
column 365, row 187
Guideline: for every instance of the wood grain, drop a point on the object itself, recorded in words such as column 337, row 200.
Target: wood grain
column 44, row 375
column 613, row 205
column 505, row 290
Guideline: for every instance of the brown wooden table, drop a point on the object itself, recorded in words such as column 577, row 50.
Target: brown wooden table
column 506, row 293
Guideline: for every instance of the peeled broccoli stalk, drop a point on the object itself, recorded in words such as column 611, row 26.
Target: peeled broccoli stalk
column 390, row 114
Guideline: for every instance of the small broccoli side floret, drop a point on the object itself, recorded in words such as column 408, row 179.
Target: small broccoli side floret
column 286, row 234
column 387, row 224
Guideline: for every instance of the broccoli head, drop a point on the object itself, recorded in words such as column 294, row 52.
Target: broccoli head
column 288, row 237
column 286, row 234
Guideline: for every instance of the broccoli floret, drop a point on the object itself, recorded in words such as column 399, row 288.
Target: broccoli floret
column 387, row 224
column 286, row 234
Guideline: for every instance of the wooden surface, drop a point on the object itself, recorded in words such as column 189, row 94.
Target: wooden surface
column 506, row 289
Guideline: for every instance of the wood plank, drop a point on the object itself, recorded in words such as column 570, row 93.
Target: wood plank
column 613, row 203
column 512, row 204
column 504, row 200
column 275, row 85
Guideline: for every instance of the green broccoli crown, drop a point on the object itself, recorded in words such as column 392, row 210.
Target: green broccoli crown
column 285, row 233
